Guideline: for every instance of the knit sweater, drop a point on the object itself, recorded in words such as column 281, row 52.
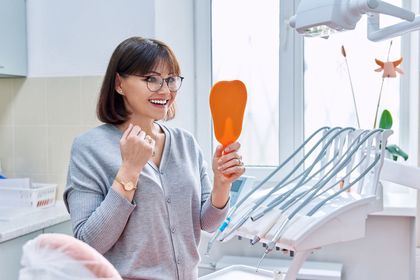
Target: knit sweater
column 156, row 236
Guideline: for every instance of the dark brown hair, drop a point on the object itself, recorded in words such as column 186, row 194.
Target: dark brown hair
column 135, row 55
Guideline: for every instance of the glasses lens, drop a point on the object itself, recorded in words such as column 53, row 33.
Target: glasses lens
column 174, row 83
column 154, row 83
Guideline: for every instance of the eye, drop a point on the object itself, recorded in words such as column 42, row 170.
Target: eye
column 171, row 80
column 153, row 79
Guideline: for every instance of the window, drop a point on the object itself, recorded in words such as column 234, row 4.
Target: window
column 327, row 89
column 245, row 46
column 295, row 85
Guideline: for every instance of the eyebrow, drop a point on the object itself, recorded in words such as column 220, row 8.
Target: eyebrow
column 159, row 74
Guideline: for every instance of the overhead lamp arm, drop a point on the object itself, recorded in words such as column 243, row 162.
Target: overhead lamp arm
column 375, row 33
column 325, row 17
column 381, row 7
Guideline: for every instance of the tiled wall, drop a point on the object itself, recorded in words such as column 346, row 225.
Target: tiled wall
column 39, row 118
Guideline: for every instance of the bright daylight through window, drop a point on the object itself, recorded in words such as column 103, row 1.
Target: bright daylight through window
column 328, row 91
column 248, row 50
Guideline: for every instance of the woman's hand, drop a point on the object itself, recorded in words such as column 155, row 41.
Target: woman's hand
column 227, row 167
column 136, row 148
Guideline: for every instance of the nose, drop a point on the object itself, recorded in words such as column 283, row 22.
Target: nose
column 165, row 87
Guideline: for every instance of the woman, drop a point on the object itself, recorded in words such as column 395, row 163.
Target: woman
column 138, row 191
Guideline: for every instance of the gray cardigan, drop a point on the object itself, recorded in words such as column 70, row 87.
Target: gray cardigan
column 157, row 235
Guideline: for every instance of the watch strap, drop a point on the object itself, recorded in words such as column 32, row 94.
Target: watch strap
column 127, row 185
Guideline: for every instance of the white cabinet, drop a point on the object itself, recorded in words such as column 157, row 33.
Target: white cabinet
column 16, row 229
column 11, row 250
column 13, row 47
column 11, row 253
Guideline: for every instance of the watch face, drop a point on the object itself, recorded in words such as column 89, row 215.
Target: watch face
column 129, row 186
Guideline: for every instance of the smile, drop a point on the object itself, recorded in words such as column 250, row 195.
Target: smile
column 158, row 101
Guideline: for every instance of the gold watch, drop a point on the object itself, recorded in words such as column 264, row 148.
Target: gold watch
column 127, row 185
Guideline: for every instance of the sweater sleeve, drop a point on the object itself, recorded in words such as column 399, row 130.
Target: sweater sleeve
column 98, row 216
column 211, row 217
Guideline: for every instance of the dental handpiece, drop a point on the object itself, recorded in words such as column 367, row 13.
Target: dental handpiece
column 263, row 232
column 216, row 235
column 272, row 244
column 277, row 217
column 243, row 219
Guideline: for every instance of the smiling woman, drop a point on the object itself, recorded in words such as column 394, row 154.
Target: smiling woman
column 125, row 65
column 124, row 193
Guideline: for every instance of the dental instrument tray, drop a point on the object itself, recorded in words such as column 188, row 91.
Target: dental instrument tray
column 242, row 272
column 322, row 194
column 22, row 193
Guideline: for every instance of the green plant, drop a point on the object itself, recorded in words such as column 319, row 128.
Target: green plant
column 386, row 123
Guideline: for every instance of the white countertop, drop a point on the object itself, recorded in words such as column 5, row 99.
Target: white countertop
column 23, row 221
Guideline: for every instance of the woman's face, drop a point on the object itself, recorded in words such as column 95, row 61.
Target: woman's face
column 140, row 100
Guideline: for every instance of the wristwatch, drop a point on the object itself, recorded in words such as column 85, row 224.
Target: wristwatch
column 127, row 185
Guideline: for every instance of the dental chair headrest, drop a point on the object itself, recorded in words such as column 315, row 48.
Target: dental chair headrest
column 58, row 256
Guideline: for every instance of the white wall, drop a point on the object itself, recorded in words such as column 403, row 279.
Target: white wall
column 174, row 24
column 76, row 38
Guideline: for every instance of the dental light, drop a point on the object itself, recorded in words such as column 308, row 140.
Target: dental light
column 321, row 18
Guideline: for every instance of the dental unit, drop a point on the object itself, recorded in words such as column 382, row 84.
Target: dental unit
column 233, row 210
column 324, row 198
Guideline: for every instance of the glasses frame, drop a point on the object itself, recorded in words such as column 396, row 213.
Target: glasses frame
column 166, row 80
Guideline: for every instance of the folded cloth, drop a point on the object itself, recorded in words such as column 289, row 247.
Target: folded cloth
column 57, row 256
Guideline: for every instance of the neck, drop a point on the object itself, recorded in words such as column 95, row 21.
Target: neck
column 147, row 126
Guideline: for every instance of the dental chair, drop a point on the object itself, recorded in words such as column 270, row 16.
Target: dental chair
column 58, row 256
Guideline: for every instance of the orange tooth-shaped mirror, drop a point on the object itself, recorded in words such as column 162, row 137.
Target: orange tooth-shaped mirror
column 227, row 105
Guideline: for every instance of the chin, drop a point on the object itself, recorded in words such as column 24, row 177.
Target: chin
column 159, row 117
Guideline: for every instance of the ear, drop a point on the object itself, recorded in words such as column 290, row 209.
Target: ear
column 118, row 85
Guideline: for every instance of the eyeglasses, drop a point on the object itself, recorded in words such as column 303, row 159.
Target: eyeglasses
column 155, row 82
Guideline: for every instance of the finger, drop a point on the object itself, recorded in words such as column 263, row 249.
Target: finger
column 219, row 151
column 136, row 129
column 127, row 131
column 232, row 147
column 142, row 135
column 239, row 170
column 228, row 157
column 231, row 163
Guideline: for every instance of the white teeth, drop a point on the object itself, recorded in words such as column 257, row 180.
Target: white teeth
column 159, row 101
